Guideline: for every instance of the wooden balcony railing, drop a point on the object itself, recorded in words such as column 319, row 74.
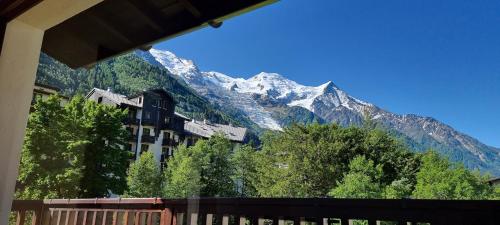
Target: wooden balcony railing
column 253, row 211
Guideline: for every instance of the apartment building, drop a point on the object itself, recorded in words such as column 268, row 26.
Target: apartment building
column 155, row 126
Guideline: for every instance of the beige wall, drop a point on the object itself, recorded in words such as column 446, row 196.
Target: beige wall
column 18, row 65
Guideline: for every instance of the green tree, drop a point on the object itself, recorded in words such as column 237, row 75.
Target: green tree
column 207, row 159
column 217, row 169
column 51, row 165
column 244, row 174
column 308, row 161
column 438, row 179
column 362, row 180
column 73, row 151
column 183, row 174
column 399, row 189
column 144, row 177
column 105, row 161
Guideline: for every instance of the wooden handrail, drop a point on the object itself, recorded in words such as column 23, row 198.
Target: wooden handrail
column 254, row 211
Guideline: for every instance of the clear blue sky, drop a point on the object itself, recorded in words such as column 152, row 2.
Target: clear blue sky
column 428, row 57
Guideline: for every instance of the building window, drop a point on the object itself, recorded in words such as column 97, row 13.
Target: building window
column 140, row 100
column 166, row 135
column 99, row 100
column 144, row 148
column 167, row 120
column 147, row 115
column 146, row 131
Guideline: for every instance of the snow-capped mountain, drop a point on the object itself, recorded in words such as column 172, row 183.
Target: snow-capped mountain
column 273, row 101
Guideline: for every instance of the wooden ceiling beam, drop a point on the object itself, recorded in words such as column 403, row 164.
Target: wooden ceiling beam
column 149, row 14
column 111, row 28
column 191, row 8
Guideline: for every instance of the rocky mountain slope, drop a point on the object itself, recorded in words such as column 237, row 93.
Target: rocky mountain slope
column 273, row 102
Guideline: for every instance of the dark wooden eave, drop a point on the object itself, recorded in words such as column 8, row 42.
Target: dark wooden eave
column 113, row 27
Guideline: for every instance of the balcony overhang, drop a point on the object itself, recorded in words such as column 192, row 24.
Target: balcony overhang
column 114, row 27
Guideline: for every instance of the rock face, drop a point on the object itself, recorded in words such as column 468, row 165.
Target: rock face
column 272, row 101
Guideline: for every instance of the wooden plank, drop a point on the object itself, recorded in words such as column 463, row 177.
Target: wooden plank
column 94, row 217
column 193, row 219
column 150, row 218
column 104, row 217
column 225, row 220
column 125, row 218
column 243, row 220
column 209, row 219
column 75, row 215
column 59, row 212
column 115, row 217
column 137, row 218
column 84, row 221
column 36, row 217
column 167, row 216
column 66, row 219
column 20, row 217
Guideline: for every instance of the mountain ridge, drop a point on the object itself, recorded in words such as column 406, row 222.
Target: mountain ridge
column 261, row 96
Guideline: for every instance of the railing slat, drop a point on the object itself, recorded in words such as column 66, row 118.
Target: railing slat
column 85, row 215
column 115, row 217
column 94, row 217
column 104, row 217
column 167, row 217
column 125, row 218
column 66, row 220
column 75, row 217
column 209, row 219
column 150, row 218
column 243, row 220
column 58, row 221
column 20, row 217
column 193, row 219
column 137, row 218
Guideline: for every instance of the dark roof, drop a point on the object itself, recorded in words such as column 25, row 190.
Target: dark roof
column 114, row 97
column 114, row 27
column 207, row 130
column 494, row 180
column 47, row 86
column 155, row 91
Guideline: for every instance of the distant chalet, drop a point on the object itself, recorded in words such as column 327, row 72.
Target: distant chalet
column 155, row 126
column 43, row 91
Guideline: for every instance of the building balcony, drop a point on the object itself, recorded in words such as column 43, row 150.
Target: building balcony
column 148, row 139
column 255, row 211
column 132, row 121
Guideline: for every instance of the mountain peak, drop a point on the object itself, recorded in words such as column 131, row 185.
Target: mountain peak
column 173, row 63
column 267, row 76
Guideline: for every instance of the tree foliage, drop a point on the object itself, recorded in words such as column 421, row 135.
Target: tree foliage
column 362, row 180
column 244, row 161
column 308, row 161
column 144, row 177
column 183, row 174
column 207, row 159
column 72, row 151
column 51, row 165
column 439, row 179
